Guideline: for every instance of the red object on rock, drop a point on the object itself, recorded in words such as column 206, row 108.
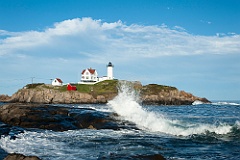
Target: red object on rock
column 71, row 88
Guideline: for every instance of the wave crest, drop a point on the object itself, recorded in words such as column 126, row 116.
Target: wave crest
column 126, row 105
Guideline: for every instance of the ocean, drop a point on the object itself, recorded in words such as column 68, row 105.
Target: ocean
column 201, row 131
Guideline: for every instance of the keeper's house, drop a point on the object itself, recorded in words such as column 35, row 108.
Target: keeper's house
column 90, row 76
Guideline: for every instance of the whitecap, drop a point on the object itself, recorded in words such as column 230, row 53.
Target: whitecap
column 125, row 104
column 197, row 102
column 226, row 103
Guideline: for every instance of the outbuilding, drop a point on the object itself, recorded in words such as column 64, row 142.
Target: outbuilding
column 71, row 87
column 57, row 82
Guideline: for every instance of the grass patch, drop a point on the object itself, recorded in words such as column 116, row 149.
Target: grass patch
column 34, row 85
column 104, row 87
column 155, row 89
column 108, row 86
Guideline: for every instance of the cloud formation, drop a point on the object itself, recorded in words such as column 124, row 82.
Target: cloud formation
column 148, row 53
column 95, row 39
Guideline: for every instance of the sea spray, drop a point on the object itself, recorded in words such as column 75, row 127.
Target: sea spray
column 127, row 106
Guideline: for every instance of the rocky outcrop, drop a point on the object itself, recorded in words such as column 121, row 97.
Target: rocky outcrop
column 149, row 94
column 45, row 95
column 57, row 118
column 171, row 97
column 16, row 156
column 4, row 98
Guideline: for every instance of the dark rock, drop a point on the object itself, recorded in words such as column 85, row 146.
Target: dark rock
column 56, row 118
column 150, row 157
column 16, row 156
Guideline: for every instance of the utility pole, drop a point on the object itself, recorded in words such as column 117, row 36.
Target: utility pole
column 32, row 80
column 51, row 80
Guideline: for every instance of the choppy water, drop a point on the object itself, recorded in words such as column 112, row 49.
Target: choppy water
column 203, row 131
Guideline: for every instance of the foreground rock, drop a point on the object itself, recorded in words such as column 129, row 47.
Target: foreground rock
column 57, row 118
column 150, row 157
column 15, row 156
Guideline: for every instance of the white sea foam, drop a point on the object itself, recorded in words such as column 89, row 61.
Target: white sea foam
column 54, row 145
column 125, row 104
column 101, row 108
column 237, row 124
column 28, row 143
column 226, row 103
column 197, row 102
column 72, row 144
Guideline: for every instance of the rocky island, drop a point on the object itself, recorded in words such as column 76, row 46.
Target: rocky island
column 100, row 92
column 37, row 106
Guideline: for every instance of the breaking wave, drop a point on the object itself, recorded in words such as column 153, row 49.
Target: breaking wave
column 126, row 105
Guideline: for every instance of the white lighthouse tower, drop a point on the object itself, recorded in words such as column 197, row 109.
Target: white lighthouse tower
column 110, row 70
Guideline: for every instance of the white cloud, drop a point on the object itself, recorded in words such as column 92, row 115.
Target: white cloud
column 67, row 47
column 97, row 39
column 206, row 22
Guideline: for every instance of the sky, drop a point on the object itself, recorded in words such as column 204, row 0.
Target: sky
column 193, row 45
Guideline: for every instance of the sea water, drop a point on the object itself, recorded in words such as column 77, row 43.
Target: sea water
column 203, row 131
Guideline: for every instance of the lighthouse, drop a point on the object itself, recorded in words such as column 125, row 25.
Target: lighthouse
column 110, row 70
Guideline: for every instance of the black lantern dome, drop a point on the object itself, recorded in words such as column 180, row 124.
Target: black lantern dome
column 110, row 64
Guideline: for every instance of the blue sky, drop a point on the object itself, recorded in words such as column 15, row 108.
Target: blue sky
column 193, row 45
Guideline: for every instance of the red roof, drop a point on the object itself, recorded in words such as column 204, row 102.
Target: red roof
column 71, row 88
column 59, row 80
column 92, row 71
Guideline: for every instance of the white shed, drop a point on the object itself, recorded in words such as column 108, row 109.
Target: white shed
column 57, row 82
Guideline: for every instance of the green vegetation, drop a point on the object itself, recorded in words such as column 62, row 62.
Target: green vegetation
column 155, row 89
column 34, row 85
column 108, row 86
column 104, row 87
